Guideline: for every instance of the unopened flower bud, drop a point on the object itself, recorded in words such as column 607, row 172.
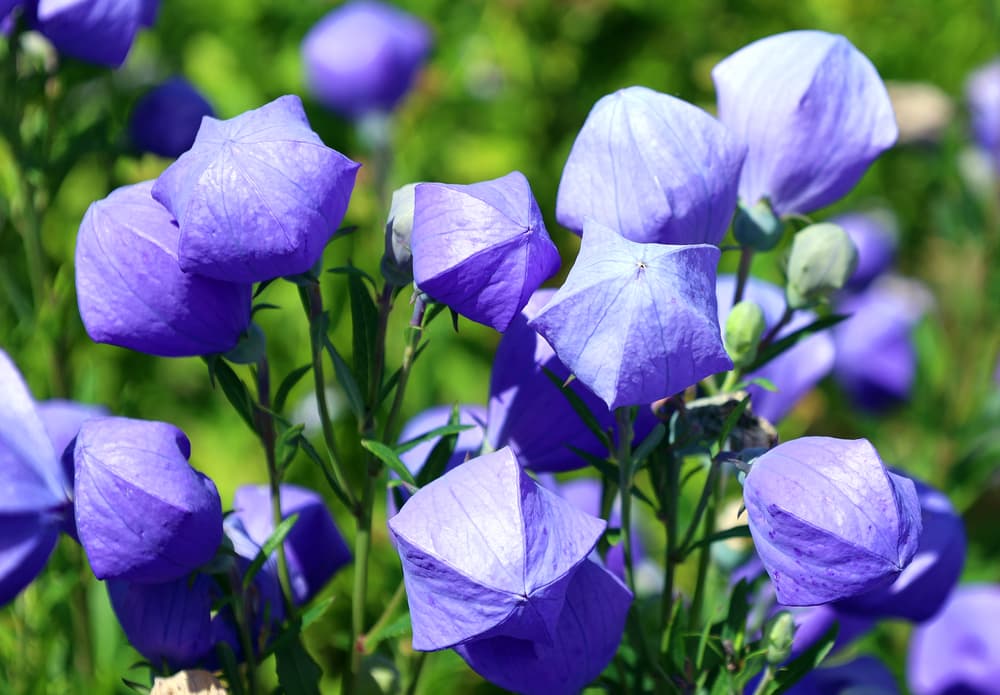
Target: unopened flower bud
column 397, row 263
column 780, row 636
column 744, row 327
column 757, row 227
column 822, row 260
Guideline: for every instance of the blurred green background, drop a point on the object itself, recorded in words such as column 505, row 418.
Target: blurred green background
column 507, row 87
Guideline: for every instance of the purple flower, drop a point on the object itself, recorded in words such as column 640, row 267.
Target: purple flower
column 828, row 520
column 364, row 56
column 166, row 119
column 482, row 249
column 874, row 236
column 586, row 637
column 865, row 674
column 795, row 371
column 813, row 113
column 925, row 584
column 257, row 196
column 314, row 548
column 958, row 651
column 653, row 168
column 147, row 15
column 132, row 292
column 34, row 494
column 142, row 512
column 487, row 552
column 97, row 31
column 982, row 93
column 636, row 322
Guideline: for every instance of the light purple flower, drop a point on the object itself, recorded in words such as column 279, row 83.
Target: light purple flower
column 653, row 168
column 142, row 512
column 487, row 552
column 586, row 637
column 482, row 249
column 875, row 238
column 166, row 119
column 257, row 196
column 132, row 292
column 34, row 497
column 97, row 31
column 795, row 371
column 958, row 651
column 982, row 93
column 636, row 322
column 828, row 520
column 813, row 112
column 364, row 57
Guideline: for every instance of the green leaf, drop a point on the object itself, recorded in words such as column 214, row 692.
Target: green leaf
column 395, row 628
column 650, row 443
column 735, row 532
column 780, row 346
column 310, row 451
column 261, row 287
column 610, row 472
column 298, row 673
column 389, row 457
column 364, row 323
column 579, row 407
column 316, row 612
column 135, row 686
column 346, row 379
column 235, row 390
column 230, row 667
column 731, row 420
column 437, row 462
column 354, row 271
column 261, row 307
column 276, row 538
column 287, row 446
column 287, row 384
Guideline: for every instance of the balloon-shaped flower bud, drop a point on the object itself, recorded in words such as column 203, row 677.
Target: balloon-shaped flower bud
column 958, row 651
column 364, row 56
column 925, row 584
column 756, row 226
column 397, row 262
column 97, row 31
column 314, row 548
column 744, row 327
column 822, row 259
column 587, row 635
column 982, row 94
column 828, row 520
column 487, row 552
column 482, row 249
column 779, row 638
column 142, row 512
column 636, row 322
column 166, row 119
column 875, row 238
column 813, row 112
column 653, row 168
column 132, row 292
column 257, row 196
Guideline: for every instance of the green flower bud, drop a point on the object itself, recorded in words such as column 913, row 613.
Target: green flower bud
column 780, row 634
column 757, row 226
column 744, row 327
column 397, row 263
column 823, row 258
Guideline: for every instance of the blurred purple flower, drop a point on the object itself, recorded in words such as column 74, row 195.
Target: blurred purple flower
column 97, row 31
column 147, row 15
column 142, row 512
column 34, row 491
column 585, row 639
column 482, row 249
column 795, row 371
column 636, row 322
column 958, row 651
column 864, row 674
column 828, row 520
column 132, row 292
column 257, row 196
column 487, row 552
column 653, row 168
column 982, row 93
column 813, row 112
column 364, row 57
column 875, row 238
column 925, row 584
column 165, row 120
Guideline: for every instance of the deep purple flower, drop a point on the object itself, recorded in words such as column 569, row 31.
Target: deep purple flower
column 147, row 15
column 795, row 371
column 874, row 236
column 865, row 674
column 876, row 359
column 982, row 93
column 958, row 651
column 34, row 491
column 828, row 520
column 132, row 292
column 585, row 639
column 97, row 31
column 653, row 168
column 142, row 512
column 636, row 322
column 482, row 249
column 813, row 112
column 166, row 119
column 925, row 584
column 487, row 552
column 364, row 56
column 257, row 196
column 314, row 548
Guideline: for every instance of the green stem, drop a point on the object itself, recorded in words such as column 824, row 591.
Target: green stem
column 669, row 503
column 773, row 333
column 414, row 333
column 703, row 501
column 765, row 681
column 240, row 606
column 418, row 667
column 625, row 469
column 697, row 603
column 742, row 273
column 387, row 614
